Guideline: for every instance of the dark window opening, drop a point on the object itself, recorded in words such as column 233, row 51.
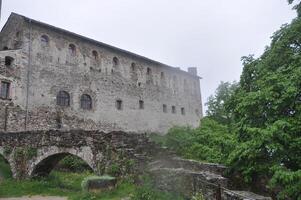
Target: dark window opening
column 115, row 62
column 44, row 40
column 149, row 71
column 183, row 111
column 133, row 67
column 95, row 55
column 164, row 108
column 86, row 102
column 119, row 104
column 72, row 50
column 162, row 75
column 63, row 99
column 5, row 88
column 173, row 109
column 8, row 60
column 141, row 104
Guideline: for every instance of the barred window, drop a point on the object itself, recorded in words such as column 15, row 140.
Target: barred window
column 4, row 92
column 63, row 98
column 86, row 102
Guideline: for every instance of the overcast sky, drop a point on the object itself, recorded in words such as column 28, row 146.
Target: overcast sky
column 211, row 35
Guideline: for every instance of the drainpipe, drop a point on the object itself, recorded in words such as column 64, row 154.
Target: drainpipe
column 28, row 75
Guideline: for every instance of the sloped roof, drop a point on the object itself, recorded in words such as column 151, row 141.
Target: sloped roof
column 95, row 42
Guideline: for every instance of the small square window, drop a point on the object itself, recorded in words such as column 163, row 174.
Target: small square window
column 164, row 108
column 141, row 104
column 4, row 92
column 173, row 109
column 119, row 104
column 183, row 111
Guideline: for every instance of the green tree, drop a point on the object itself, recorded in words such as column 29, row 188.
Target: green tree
column 297, row 6
column 267, row 112
column 218, row 109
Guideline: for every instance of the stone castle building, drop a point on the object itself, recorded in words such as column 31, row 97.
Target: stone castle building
column 51, row 78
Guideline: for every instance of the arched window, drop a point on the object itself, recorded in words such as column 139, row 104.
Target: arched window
column 149, row 71
column 115, row 62
column 95, row 55
column 133, row 67
column 63, row 98
column 86, row 102
column 72, row 49
column 44, row 40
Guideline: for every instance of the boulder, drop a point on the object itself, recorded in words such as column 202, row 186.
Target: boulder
column 98, row 183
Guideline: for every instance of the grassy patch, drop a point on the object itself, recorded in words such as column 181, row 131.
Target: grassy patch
column 60, row 184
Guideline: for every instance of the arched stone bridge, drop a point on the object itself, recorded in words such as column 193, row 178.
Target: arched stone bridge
column 35, row 153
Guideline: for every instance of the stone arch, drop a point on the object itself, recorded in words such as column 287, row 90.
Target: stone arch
column 48, row 158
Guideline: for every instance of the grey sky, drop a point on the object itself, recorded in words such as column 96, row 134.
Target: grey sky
column 212, row 35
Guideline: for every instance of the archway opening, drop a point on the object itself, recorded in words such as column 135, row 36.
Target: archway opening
column 5, row 170
column 61, row 162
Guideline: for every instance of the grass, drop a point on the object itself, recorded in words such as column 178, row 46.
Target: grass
column 58, row 183
column 68, row 184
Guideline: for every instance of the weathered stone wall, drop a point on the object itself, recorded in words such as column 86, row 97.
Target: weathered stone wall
column 35, row 153
column 52, row 69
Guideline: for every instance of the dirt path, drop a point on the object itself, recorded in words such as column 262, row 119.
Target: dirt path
column 35, row 198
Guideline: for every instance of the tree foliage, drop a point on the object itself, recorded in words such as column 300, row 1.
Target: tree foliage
column 267, row 111
column 297, row 6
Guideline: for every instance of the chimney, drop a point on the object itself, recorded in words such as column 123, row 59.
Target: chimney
column 193, row 71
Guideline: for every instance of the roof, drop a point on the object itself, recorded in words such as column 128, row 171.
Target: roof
column 29, row 20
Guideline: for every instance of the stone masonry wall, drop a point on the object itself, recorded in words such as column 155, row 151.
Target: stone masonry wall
column 134, row 78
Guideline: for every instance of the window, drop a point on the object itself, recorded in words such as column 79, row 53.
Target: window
column 95, row 55
column 119, row 104
column 86, row 102
column 162, row 75
column 141, row 104
column 164, row 108
column 183, row 111
column 63, row 98
column 173, row 109
column 44, row 40
column 115, row 62
column 149, row 71
column 4, row 92
column 8, row 60
column 72, row 50
column 133, row 67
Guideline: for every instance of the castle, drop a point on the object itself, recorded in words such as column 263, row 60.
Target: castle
column 51, row 78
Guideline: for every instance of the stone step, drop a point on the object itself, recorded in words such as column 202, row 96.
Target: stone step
column 243, row 195
column 192, row 165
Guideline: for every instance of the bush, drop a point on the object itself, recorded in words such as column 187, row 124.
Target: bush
column 73, row 164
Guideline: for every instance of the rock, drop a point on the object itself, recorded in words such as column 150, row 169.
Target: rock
column 98, row 183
